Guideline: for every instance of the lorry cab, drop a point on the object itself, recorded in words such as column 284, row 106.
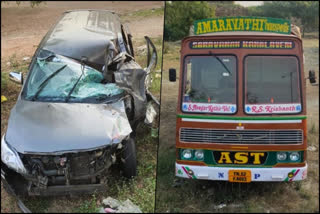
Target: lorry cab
column 241, row 114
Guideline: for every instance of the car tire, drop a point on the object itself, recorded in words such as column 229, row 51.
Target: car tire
column 129, row 160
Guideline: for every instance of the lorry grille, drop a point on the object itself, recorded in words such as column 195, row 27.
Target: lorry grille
column 241, row 136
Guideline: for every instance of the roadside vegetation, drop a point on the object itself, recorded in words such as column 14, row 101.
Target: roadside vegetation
column 180, row 15
column 140, row 14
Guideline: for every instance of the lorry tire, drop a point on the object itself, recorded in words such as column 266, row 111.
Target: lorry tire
column 129, row 160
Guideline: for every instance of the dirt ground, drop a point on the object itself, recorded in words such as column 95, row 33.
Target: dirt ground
column 183, row 195
column 22, row 29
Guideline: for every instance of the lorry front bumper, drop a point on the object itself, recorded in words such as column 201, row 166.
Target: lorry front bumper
column 257, row 174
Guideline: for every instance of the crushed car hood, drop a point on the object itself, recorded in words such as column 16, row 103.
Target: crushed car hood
column 42, row 127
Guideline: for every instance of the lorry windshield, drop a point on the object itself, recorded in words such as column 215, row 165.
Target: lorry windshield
column 272, row 84
column 209, row 84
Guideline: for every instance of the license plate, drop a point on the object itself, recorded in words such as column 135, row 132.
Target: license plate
column 242, row 176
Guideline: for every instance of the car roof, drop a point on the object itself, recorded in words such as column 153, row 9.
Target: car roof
column 84, row 33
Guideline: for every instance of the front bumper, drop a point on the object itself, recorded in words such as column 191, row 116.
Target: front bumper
column 16, row 185
column 257, row 174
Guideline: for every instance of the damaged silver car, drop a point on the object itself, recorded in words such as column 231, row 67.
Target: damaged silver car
column 79, row 107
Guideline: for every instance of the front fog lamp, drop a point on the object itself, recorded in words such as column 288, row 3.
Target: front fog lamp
column 11, row 158
column 187, row 154
column 281, row 156
column 294, row 156
column 199, row 154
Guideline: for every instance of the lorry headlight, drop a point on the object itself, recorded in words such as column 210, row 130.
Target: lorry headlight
column 11, row 158
column 281, row 156
column 187, row 154
column 294, row 156
column 199, row 154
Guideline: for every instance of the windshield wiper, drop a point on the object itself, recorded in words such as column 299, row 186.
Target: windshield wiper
column 219, row 60
column 83, row 60
column 44, row 83
column 74, row 86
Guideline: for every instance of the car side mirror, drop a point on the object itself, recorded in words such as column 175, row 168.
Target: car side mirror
column 312, row 76
column 172, row 75
column 16, row 77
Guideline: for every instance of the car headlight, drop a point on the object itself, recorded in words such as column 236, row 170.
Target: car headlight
column 187, row 154
column 282, row 156
column 294, row 156
column 11, row 158
column 199, row 154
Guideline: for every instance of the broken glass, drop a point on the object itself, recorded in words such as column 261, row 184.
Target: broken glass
column 58, row 87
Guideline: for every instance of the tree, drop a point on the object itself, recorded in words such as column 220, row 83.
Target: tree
column 306, row 11
column 228, row 8
column 179, row 16
column 32, row 3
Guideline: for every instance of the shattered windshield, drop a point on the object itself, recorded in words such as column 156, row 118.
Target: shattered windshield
column 53, row 77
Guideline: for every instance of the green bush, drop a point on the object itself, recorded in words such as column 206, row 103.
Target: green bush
column 4, row 81
column 179, row 16
column 305, row 11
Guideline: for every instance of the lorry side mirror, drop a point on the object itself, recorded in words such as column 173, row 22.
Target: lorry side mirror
column 16, row 77
column 172, row 75
column 312, row 76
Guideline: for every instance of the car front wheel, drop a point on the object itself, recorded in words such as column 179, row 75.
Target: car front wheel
column 129, row 161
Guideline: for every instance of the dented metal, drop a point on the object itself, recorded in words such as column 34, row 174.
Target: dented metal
column 52, row 128
column 68, row 127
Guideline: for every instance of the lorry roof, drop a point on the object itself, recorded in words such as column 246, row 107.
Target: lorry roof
column 240, row 33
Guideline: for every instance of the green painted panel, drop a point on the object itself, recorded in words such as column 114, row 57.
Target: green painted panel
column 258, row 24
column 270, row 161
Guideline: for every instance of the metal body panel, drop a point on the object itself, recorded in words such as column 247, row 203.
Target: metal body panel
column 257, row 174
column 40, row 127
column 209, row 121
column 84, row 33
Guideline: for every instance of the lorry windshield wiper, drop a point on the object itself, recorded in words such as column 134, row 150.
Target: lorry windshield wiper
column 44, row 83
column 219, row 60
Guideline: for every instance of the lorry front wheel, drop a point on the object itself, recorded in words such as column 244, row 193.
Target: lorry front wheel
column 129, row 161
